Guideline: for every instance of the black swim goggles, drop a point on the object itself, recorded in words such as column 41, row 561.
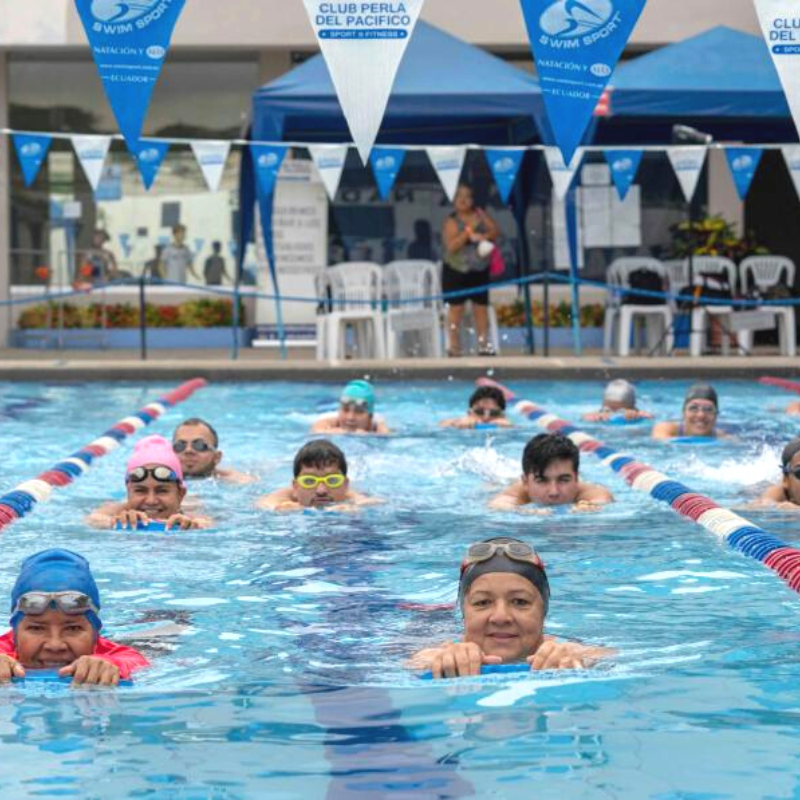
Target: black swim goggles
column 516, row 551
column 72, row 603
column 198, row 445
column 359, row 406
column 161, row 474
column 491, row 413
column 794, row 471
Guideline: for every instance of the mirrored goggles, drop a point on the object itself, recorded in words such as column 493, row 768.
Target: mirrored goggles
column 198, row 445
column 516, row 551
column 334, row 481
column 73, row 603
column 359, row 406
column 490, row 413
column 161, row 474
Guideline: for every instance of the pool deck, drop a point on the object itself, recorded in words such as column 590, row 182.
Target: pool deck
column 254, row 365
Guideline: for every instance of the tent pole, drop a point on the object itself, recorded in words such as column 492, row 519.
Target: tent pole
column 572, row 239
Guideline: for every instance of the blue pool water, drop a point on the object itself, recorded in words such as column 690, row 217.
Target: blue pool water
column 286, row 678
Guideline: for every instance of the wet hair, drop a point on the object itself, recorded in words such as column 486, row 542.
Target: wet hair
column 198, row 421
column 488, row 393
column 701, row 391
column 545, row 448
column 319, row 454
column 790, row 451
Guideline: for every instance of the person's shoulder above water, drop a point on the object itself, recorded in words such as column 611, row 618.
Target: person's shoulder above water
column 550, row 478
column 356, row 413
column 619, row 400
column 55, row 624
column 486, row 408
column 785, row 496
column 155, row 490
column 320, row 483
column 700, row 414
column 196, row 443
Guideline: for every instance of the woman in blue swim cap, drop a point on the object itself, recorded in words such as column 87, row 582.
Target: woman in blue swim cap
column 700, row 413
column 504, row 596
column 356, row 412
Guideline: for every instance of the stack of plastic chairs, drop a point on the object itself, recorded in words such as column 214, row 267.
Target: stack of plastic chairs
column 414, row 309
column 351, row 297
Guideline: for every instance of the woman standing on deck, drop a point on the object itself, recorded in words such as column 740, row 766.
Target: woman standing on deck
column 466, row 268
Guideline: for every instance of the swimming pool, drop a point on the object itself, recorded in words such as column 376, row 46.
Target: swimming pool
column 287, row 678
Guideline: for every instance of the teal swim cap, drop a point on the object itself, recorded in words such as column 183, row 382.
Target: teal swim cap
column 360, row 390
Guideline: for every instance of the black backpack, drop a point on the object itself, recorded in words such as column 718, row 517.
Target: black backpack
column 648, row 281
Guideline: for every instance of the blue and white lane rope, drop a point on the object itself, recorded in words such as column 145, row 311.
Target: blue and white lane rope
column 23, row 499
column 738, row 532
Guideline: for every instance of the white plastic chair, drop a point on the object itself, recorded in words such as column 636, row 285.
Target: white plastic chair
column 412, row 292
column 701, row 314
column 353, row 293
column 657, row 317
column 766, row 273
column 613, row 303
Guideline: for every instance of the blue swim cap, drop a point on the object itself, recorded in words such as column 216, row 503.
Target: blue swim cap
column 55, row 571
column 360, row 390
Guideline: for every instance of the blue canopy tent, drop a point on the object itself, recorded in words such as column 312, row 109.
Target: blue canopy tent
column 446, row 92
column 721, row 81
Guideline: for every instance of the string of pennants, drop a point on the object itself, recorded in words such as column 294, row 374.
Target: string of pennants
column 386, row 162
column 576, row 45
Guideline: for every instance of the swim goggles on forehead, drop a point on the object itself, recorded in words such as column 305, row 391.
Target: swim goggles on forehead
column 73, row 603
column 161, row 474
column 198, row 445
column 516, row 551
column 333, row 481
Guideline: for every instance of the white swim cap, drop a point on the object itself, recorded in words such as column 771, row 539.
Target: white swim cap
column 620, row 391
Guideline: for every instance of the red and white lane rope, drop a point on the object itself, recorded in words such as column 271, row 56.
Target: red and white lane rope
column 739, row 533
column 790, row 386
column 20, row 501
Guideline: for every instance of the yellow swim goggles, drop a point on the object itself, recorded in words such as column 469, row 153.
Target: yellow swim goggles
column 334, row 481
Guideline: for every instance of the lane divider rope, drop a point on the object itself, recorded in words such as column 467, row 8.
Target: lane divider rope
column 22, row 500
column 782, row 383
column 739, row 533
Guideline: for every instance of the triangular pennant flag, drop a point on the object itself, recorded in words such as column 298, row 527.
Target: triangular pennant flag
column 267, row 160
column 31, row 152
column 562, row 174
column 329, row 160
column 363, row 44
column 129, row 42
column 624, row 165
column 149, row 156
column 688, row 164
column 576, row 45
column 211, row 158
column 504, row 165
column 448, row 163
column 791, row 154
column 743, row 162
column 386, row 163
column 92, row 152
column 780, row 23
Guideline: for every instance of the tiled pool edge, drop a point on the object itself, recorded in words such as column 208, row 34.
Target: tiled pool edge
column 516, row 367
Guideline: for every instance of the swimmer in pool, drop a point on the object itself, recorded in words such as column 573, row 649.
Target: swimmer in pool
column 156, row 491
column 619, row 400
column 55, row 624
column 196, row 444
column 550, row 464
column 356, row 413
column 504, row 596
column 320, row 482
column 700, row 411
column 487, row 406
column 793, row 408
column 786, row 494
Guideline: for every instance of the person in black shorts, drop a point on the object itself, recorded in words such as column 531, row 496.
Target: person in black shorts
column 467, row 267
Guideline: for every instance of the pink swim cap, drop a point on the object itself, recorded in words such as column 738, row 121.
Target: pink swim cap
column 155, row 450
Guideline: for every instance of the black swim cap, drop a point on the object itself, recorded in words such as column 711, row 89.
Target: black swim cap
column 701, row 391
column 790, row 451
column 500, row 562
